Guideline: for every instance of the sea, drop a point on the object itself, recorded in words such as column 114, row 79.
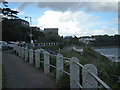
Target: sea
column 112, row 53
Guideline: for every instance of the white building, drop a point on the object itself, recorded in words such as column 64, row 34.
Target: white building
column 86, row 40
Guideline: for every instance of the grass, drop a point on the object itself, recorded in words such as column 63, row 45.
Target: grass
column 82, row 60
column 106, row 68
column 107, row 72
column 64, row 82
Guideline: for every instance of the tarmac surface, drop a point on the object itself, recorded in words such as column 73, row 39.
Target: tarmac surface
column 20, row 74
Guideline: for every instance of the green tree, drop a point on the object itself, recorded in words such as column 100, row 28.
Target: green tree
column 52, row 37
column 13, row 32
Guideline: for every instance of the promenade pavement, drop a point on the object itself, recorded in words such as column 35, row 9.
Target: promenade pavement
column 20, row 74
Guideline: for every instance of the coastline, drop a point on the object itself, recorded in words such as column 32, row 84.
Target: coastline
column 105, row 47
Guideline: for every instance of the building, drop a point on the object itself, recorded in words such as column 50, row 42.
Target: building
column 19, row 22
column 86, row 40
column 36, row 29
column 51, row 30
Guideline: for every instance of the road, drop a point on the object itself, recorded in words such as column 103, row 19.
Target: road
column 20, row 74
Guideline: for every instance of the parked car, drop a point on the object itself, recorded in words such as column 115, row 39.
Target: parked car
column 10, row 44
column 3, row 45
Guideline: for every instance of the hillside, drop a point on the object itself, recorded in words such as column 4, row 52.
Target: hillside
column 106, row 69
column 89, row 56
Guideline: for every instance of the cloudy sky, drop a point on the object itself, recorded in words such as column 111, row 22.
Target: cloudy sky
column 72, row 18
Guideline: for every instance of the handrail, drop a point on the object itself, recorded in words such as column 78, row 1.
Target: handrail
column 100, row 81
column 41, row 61
column 65, row 58
column 33, row 58
column 52, row 55
column 52, row 66
column 79, row 84
column 67, row 61
column 65, row 72
column 79, row 64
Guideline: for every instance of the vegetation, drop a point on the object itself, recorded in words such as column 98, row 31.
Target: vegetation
column 108, row 71
column 13, row 32
column 64, row 82
column 106, row 68
column 100, row 40
column 52, row 37
column 105, row 40
column 53, row 49
column 7, row 11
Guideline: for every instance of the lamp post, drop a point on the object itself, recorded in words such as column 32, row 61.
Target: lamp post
column 31, row 41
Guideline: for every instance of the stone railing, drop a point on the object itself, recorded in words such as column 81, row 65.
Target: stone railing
column 88, row 72
column 48, row 44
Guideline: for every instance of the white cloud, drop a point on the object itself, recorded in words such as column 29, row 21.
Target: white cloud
column 105, row 30
column 69, row 23
column 20, row 12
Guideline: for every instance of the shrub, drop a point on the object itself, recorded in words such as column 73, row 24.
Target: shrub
column 52, row 62
column 107, row 72
column 64, row 82
column 53, row 48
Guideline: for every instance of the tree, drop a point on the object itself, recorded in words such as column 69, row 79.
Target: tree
column 8, row 11
column 105, row 40
column 4, row 3
column 12, row 32
column 52, row 37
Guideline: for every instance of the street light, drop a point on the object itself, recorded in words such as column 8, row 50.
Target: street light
column 30, row 28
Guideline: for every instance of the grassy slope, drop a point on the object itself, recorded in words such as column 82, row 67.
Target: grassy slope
column 89, row 56
column 106, row 68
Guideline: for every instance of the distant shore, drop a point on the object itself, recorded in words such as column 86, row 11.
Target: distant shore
column 102, row 47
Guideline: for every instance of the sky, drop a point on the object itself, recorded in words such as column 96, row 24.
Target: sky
column 72, row 18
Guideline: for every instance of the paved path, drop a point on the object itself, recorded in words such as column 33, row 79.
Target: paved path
column 19, row 74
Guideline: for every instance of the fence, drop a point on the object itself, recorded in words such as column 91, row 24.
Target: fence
column 89, row 72
column 48, row 44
